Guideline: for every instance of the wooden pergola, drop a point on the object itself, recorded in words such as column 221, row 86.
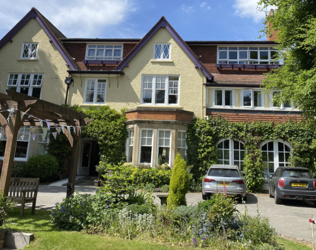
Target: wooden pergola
column 17, row 110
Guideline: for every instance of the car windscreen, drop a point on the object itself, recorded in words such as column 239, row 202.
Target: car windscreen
column 218, row 172
column 298, row 173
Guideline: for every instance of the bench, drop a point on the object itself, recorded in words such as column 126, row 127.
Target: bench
column 24, row 190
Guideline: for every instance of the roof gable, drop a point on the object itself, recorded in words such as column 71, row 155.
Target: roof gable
column 163, row 23
column 52, row 32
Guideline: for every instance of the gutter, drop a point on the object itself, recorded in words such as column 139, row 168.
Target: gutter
column 101, row 72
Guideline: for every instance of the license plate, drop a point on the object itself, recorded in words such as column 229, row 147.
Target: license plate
column 298, row 184
column 220, row 183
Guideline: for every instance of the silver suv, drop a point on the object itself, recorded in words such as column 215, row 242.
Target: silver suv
column 217, row 175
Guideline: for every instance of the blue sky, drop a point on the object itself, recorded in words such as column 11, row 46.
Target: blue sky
column 192, row 19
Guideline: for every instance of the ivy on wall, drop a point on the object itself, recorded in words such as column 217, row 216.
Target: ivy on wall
column 204, row 135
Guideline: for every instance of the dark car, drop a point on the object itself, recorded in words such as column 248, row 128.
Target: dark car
column 292, row 183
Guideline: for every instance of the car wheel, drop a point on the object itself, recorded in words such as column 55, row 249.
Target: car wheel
column 204, row 196
column 270, row 194
column 276, row 198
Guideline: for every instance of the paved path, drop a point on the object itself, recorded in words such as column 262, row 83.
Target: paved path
column 289, row 219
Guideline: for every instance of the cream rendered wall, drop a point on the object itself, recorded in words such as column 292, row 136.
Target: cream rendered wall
column 237, row 98
column 126, row 92
column 49, row 62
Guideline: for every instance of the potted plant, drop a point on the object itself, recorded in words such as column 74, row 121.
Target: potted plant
column 101, row 169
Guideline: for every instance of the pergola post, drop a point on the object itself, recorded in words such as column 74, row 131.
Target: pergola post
column 11, row 129
column 74, row 162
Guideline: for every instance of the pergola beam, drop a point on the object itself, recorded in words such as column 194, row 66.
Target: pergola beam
column 37, row 110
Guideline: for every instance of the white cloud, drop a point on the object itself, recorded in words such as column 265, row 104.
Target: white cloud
column 204, row 5
column 75, row 18
column 187, row 8
column 248, row 8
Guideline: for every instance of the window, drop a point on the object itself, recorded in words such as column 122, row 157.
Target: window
column 164, row 142
column 223, row 98
column 231, row 152
column 104, row 52
column 275, row 154
column 161, row 90
column 22, row 144
column 275, row 104
column 129, row 145
column 252, row 98
column 42, row 142
column 29, row 50
column 182, row 144
column 29, row 84
column 146, row 140
column 95, row 91
column 247, row 55
column 162, row 51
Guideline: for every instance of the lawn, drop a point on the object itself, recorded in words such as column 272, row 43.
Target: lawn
column 50, row 238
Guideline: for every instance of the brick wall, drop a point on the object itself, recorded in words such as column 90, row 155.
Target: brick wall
column 78, row 51
column 248, row 117
column 159, row 115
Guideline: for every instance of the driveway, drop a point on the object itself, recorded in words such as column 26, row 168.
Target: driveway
column 289, row 219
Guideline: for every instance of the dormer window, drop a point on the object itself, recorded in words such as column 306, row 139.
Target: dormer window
column 162, row 52
column 29, row 50
column 247, row 55
column 104, row 52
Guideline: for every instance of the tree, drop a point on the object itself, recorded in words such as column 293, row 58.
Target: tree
column 295, row 22
column 179, row 183
column 109, row 130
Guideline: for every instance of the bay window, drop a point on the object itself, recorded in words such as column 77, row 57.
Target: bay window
column 161, row 90
column 129, row 145
column 164, row 143
column 146, row 141
column 182, row 145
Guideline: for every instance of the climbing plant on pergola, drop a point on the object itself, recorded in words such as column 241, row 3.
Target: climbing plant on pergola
column 17, row 110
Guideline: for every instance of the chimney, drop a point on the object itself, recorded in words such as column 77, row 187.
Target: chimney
column 273, row 34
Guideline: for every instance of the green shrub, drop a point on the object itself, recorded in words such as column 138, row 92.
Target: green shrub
column 149, row 187
column 59, row 147
column 165, row 188
column 204, row 206
column 5, row 206
column 179, row 183
column 19, row 169
column 139, row 177
column 42, row 166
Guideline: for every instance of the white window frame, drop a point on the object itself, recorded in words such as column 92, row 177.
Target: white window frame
column 103, row 57
column 248, row 60
column 140, row 146
column 153, row 93
column 30, row 85
column 281, row 105
column 129, row 144
column 252, row 98
column 231, row 150
column 161, row 53
column 29, row 52
column 95, row 91
column 40, row 137
column 223, row 98
column 185, row 142
column 4, row 138
column 276, row 150
column 169, row 130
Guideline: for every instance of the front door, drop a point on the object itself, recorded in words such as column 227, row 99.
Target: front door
column 85, row 158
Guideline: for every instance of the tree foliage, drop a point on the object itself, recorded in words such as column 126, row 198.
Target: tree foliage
column 109, row 130
column 179, row 183
column 295, row 22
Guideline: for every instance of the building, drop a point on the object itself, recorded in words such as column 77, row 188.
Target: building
column 163, row 81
